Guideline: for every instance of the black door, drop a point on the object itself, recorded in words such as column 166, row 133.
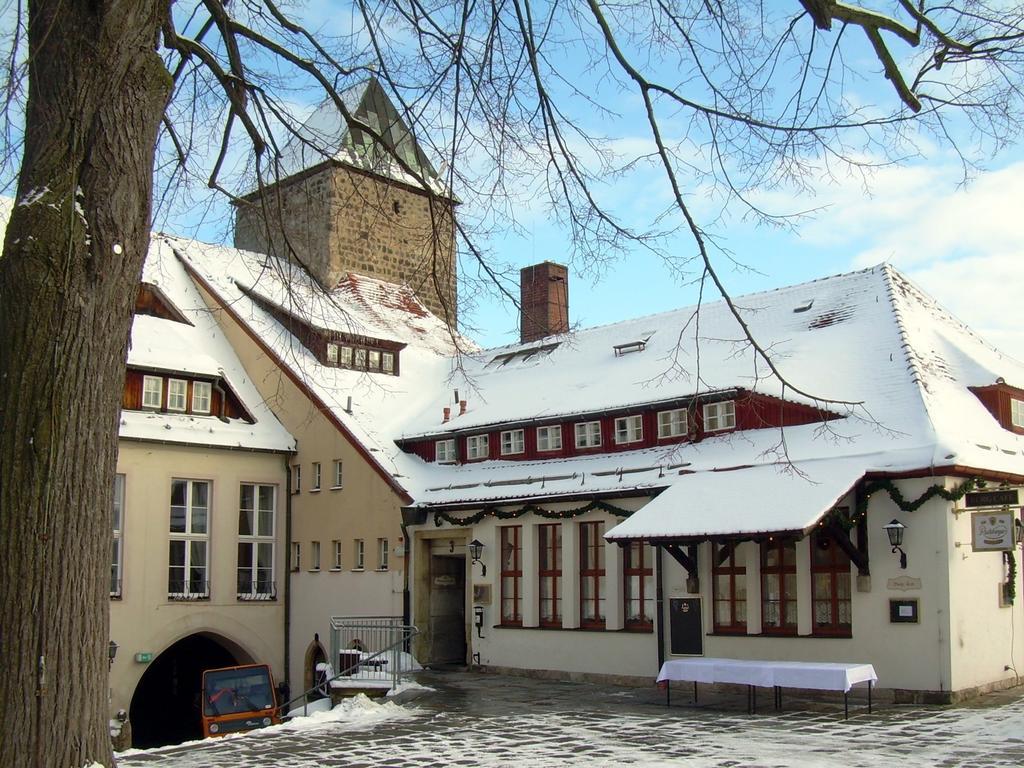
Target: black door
column 447, row 609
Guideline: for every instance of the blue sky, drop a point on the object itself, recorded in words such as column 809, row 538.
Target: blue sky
column 960, row 242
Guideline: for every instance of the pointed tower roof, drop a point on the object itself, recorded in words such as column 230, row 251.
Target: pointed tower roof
column 326, row 136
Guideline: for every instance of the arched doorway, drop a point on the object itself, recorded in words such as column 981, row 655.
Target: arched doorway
column 315, row 654
column 165, row 706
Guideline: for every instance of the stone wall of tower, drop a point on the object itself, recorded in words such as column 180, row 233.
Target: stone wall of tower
column 340, row 220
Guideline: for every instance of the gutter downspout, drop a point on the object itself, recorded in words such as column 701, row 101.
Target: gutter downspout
column 659, row 609
column 287, row 568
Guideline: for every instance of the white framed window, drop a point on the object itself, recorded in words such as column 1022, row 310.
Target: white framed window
column 629, row 429
column 202, row 395
column 477, row 447
column 152, row 392
column 296, row 478
column 177, row 395
column 387, row 362
column 719, row 416
column 360, row 358
column 444, row 451
column 332, row 353
column 338, row 475
column 315, row 482
column 513, row 441
column 382, row 554
column 314, row 556
column 373, row 360
column 296, row 555
column 346, row 356
column 549, row 438
column 1017, row 412
column 588, row 434
column 360, row 555
column 116, row 560
column 336, row 547
column 257, row 506
column 188, row 547
column 672, row 423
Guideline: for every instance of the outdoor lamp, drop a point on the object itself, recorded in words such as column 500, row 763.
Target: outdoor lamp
column 894, row 530
column 476, row 548
column 111, row 652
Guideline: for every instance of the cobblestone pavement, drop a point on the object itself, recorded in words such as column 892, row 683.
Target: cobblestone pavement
column 487, row 720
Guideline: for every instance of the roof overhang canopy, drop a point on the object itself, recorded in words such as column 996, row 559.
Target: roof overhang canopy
column 747, row 501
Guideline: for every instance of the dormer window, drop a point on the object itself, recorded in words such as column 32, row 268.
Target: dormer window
column 1017, row 412
column 177, row 395
column 444, row 451
column 387, row 362
column 477, row 447
column 719, row 416
column 346, row 356
column 152, row 391
column 360, row 358
column 373, row 359
column 671, row 423
column 332, row 353
column 202, row 394
column 588, row 434
column 512, row 441
column 549, row 438
column 629, row 429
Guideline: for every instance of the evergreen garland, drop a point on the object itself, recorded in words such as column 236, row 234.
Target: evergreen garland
column 848, row 521
column 492, row 511
column 1011, row 576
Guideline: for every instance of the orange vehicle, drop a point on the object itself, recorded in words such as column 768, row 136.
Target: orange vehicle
column 238, row 699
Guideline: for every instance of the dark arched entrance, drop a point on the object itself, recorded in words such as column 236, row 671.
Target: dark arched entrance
column 165, row 706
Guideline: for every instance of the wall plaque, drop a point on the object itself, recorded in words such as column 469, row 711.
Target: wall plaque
column 903, row 583
column 481, row 594
column 991, row 531
column 903, row 612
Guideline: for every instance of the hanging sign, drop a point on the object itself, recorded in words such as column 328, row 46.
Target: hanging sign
column 1003, row 498
column 992, row 531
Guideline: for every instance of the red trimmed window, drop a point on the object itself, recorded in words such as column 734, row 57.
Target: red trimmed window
column 778, row 587
column 729, row 585
column 592, row 590
column 638, row 571
column 550, row 574
column 832, row 607
column 511, row 575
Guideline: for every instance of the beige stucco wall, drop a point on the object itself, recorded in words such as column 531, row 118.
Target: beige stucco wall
column 143, row 619
column 339, row 220
column 962, row 639
column 985, row 637
column 365, row 507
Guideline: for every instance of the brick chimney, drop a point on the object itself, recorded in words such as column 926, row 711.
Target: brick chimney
column 544, row 301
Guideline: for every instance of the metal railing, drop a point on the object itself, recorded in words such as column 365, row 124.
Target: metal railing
column 263, row 591
column 188, row 589
column 368, row 652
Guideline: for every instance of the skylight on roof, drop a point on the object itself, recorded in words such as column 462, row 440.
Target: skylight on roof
column 522, row 355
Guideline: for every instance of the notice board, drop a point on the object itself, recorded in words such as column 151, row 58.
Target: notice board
column 686, row 635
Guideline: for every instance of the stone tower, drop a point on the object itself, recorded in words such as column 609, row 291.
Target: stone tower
column 343, row 204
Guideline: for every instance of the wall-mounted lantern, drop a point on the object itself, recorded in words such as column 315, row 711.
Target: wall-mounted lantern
column 894, row 531
column 476, row 548
column 111, row 652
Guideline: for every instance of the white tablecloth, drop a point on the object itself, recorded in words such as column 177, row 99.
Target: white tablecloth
column 822, row 676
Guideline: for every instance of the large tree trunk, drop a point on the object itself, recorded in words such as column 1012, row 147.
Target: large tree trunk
column 71, row 262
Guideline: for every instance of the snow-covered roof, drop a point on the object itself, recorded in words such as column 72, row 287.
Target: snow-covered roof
column 244, row 282
column 790, row 497
column 197, row 348
column 867, row 345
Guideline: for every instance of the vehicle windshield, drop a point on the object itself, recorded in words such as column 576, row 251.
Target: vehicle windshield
column 232, row 691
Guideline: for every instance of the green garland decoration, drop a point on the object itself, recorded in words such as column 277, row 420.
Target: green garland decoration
column 848, row 521
column 1011, row 576
column 492, row 511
